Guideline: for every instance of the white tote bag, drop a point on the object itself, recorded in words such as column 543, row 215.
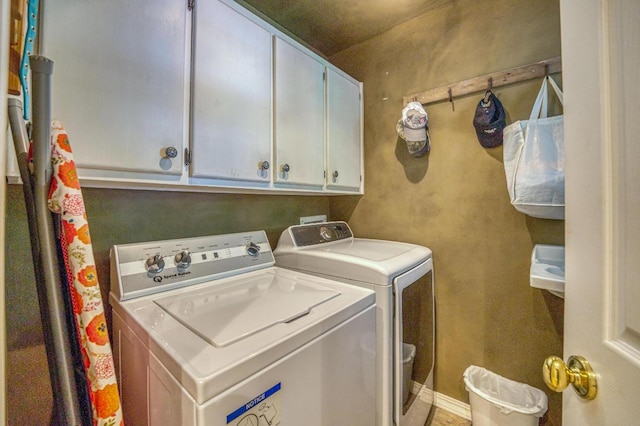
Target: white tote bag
column 534, row 160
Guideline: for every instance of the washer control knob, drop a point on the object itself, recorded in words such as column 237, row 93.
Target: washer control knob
column 327, row 233
column 183, row 259
column 253, row 249
column 155, row 264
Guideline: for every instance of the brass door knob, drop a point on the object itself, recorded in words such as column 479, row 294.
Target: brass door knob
column 557, row 376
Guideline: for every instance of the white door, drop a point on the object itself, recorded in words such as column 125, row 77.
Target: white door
column 120, row 81
column 344, row 130
column 299, row 116
column 231, row 124
column 601, row 70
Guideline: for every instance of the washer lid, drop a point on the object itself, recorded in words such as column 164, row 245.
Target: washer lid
column 205, row 370
column 224, row 315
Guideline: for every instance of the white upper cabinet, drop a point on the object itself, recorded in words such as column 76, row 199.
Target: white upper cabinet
column 344, row 129
column 120, row 83
column 299, row 117
column 231, row 96
column 157, row 95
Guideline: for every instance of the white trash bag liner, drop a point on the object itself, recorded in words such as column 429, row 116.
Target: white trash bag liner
column 506, row 395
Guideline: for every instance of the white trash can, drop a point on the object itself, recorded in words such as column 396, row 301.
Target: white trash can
column 498, row 401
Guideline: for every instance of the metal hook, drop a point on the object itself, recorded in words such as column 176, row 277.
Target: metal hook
column 453, row 108
column 488, row 92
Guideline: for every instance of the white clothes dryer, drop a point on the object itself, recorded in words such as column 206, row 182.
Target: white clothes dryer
column 401, row 275
column 207, row 331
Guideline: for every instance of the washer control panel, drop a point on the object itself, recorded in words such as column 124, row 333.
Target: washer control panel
column 146, row 268
column 319, row 233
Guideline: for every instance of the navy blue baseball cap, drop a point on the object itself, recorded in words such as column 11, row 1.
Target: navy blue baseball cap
column 489, row 121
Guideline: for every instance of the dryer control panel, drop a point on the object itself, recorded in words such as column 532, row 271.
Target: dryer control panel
column 146, row 268
column 319, row 233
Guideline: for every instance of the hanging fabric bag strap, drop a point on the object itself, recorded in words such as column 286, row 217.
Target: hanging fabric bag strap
column 539, row 109
column 557, row 90
column 540, row 106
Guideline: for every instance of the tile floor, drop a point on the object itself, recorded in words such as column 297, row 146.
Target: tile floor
column 445, row 418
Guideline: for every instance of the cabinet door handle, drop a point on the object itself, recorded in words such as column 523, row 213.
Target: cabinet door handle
column 335, row 174
column 263, row 165
column 169, row 152
column 284, row 168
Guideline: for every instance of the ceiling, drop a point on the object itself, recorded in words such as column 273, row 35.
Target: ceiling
column 331, row 26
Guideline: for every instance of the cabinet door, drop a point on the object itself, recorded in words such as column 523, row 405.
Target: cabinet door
column 231, row 122
column 119, row 81
column 299, row 116
column 344, row 141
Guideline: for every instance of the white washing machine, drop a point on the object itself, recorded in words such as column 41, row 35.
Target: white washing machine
column 401, row 275
column 207, row 331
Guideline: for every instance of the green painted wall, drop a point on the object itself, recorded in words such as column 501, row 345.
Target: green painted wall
column 118, row 217
column 454, row 200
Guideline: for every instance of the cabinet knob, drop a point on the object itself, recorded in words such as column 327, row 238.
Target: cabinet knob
column 284, row 168
column 169, row 152
column 335, row 174
column 263, row 165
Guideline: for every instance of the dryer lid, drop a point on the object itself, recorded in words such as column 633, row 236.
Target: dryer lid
column 224, row 315
column 360, row 259
column 362, row 249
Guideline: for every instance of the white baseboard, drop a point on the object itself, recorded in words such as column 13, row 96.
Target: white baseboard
column 424, row 393
column 452, row 405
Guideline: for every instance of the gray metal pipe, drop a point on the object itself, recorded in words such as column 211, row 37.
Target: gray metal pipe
column 21, row 144
column 20, row 138
column 59, row 351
